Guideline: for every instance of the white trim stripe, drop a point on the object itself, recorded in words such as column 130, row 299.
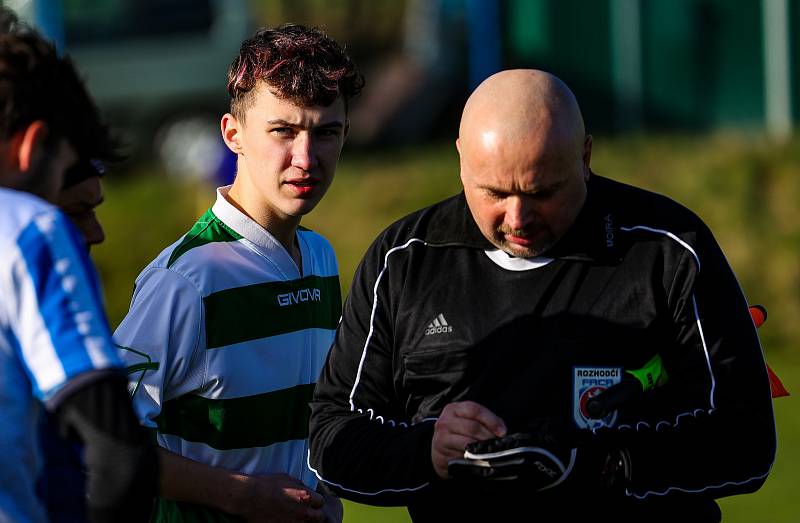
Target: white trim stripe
column 711, row 400
column 382, row 491
column 666, row 233
column 712, row 378
column 283, row 456
column 695, row 491
column 372, row 313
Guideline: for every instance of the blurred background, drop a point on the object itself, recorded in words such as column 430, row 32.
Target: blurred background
column 696, row 99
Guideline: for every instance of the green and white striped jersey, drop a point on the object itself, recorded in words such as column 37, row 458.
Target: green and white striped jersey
column 230, row 338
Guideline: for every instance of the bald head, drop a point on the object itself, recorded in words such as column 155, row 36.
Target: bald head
column 524, row 160
column 521, row 105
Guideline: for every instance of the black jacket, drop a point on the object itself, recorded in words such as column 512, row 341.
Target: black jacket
column 431, row 319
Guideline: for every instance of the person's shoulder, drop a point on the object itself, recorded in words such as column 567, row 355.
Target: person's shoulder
column 418, row 225
column 317, row 242
column 19, row 210
column 637, row 206
column 21, row 207
column 196, row 248
column 321, row 251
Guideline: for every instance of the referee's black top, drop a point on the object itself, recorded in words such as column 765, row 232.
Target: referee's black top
column 436, row 314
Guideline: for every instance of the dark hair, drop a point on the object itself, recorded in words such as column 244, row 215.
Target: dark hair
column 37, row 84
column 298, row 63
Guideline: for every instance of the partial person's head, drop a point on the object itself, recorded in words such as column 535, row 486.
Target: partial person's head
column 49, row 124
column 290, row 88
column 524, row 158
column 82, row 190
column 34, row 153
column 81, row 193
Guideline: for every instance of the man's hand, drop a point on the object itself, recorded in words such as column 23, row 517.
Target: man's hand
column 277, row 498
column 460, row 424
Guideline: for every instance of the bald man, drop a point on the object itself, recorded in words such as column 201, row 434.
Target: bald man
column 478, row 330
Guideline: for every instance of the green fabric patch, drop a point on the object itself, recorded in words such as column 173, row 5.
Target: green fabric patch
column 239, row 423
column 170, row 511
column 261, row 310
column 207, row 229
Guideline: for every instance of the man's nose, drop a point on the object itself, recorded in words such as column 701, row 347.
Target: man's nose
column 519, row 212
column 303, row 154
column 93, row 232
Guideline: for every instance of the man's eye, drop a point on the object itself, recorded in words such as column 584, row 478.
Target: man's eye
column 283, row 131
column 328, row 133
column 543, row 195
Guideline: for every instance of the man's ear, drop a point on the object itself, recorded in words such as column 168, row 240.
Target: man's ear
column 587, row 156
column 231, row 132
column 27, row 144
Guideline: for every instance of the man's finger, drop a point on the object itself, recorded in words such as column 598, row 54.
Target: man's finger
column 453, row 446
column 304, row 496
column 477, row 412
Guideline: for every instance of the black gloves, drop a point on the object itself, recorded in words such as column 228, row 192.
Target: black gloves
column 544, row 456
column 528, row 457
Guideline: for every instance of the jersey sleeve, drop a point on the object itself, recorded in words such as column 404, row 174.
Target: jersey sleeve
column 714, row 434
column 162, row 341
column 61, row 331
column 361, row 444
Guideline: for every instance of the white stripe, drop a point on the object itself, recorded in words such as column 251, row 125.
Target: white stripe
column 90, row 321
column 372, row 314
column 269, row 364
column 712, row 378
column 436, row 322
column 250, row 269
column 567, row 472
column 711, row 401
column 694, row 491
column 34, row 337
column 712, row 405
column 667, row 233
column 441, row 319
column 376, row 493
column 283, row 457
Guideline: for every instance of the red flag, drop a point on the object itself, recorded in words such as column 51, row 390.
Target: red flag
column 759, row 315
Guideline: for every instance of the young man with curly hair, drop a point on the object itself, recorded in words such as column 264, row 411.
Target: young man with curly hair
column 232, row 323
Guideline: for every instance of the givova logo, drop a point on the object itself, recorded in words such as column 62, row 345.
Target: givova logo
column 291, row 298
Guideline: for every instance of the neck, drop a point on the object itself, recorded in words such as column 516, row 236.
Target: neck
column 281, row 227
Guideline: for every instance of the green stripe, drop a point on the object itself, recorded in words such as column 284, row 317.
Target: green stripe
column 153, row 365
column 257, row 311
column 171, row 511
column 239, row 423
column 207, row 229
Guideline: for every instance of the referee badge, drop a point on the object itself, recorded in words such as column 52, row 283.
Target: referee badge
column 588, row 382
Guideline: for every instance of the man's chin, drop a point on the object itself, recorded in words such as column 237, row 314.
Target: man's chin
column 523, row 251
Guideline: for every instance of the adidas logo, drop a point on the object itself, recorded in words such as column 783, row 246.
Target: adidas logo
column 438, row 326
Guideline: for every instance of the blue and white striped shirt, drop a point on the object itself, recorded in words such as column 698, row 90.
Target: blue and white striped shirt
column 54, row 336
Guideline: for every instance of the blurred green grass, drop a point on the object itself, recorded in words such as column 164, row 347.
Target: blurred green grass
column 745, row 187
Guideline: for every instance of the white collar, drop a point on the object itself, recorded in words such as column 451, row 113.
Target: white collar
column 516, row 264
column 255, row 234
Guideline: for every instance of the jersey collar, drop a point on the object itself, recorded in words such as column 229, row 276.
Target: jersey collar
column 593, row 237
column 255, row 234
